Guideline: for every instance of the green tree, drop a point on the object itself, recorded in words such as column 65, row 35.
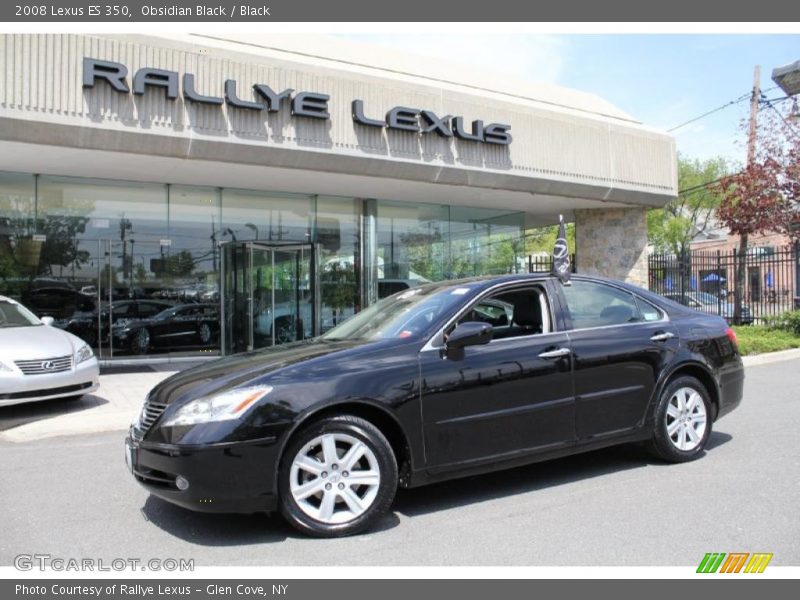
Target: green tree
column 543, row 239
column 672, row 228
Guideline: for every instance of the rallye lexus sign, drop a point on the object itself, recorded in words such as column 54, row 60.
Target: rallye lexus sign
column 311, row 105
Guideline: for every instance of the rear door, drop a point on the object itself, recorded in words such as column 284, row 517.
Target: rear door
column 620, row 344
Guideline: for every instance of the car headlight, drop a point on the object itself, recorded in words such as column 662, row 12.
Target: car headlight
column 220, row 407
column 83, row 353
column 5, row 368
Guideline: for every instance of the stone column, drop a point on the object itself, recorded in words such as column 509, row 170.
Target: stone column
column 612, row 243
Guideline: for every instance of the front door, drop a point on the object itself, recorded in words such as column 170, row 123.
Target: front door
column 268, row 295
column 508, row 398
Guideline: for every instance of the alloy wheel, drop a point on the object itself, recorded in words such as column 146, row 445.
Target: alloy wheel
column 334, row 478
column 686, row 419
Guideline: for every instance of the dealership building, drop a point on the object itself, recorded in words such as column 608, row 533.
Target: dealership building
column 285, row 182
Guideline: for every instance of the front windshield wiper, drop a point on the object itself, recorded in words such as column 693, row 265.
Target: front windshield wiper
column 12, row 325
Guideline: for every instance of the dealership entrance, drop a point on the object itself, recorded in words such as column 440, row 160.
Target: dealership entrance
column 268, row 294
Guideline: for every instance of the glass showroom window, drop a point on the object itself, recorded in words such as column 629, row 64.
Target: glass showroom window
column 194, row 233
column 103, row 245
column 338, row 241
column 485, row 242
column 19, row 252
column 413, row 245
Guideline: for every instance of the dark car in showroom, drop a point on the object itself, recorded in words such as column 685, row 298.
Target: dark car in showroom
column 85, row 324
column 177, row 327
column 436, row 382
column 57, row 299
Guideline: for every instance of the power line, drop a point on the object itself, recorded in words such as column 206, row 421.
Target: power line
column 698, row 187
column 719, row 108
column 711, row 112
column 789, row 125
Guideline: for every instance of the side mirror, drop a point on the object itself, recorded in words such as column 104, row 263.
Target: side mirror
column 471, row 333
column 47, row 321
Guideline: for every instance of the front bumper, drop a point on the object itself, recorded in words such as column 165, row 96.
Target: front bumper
column 228, row 477
column 16, row 388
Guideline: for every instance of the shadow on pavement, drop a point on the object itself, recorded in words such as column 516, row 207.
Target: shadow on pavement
column 521, row 480
column 21, row 414
column 211, row 529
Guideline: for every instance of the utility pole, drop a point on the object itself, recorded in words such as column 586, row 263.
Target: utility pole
column 741, row 266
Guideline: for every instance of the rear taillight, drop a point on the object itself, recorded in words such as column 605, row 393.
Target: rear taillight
column 732, row 336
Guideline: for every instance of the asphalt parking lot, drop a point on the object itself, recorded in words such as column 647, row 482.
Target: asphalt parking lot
column 71, row 496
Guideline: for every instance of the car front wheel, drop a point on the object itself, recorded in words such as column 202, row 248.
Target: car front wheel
column 140, row 343
column 337, row 478
column 683, row 421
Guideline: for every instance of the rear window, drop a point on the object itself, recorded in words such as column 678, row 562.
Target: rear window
column 593, row 304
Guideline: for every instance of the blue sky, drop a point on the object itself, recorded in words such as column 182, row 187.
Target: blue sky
column 663, row 80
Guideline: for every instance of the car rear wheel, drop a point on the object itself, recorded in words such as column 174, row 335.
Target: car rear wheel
column 683, row 421
column 337, row 477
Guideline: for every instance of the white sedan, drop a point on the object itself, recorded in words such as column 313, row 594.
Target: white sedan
column 39, row 362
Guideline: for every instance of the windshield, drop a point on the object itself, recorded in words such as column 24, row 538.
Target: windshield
column 16, row 315
column 407, row 314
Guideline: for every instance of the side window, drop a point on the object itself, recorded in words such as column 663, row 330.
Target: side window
column 512, row 314
column 119, row 311
column 148, row 310
column 593, row 304
column 648, row 311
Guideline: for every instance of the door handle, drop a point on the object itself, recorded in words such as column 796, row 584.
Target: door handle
column 558, row 353
column 663, row 336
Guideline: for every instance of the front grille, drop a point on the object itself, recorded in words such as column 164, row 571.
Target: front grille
column 43, row 366
column 150, row 413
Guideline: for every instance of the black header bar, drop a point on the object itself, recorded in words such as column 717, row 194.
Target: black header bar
column 132, row 11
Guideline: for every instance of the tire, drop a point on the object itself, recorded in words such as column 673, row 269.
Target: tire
column 205, row 334
column 284, row 331
column 682, row 421
column 319, row 497
column 140, row 342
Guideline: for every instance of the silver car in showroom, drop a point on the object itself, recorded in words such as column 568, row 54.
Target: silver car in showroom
column 39, row 362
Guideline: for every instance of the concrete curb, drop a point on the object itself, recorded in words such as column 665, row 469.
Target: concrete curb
column 770, row 357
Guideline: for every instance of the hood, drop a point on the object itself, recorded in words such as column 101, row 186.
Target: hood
column 236, row 370
column 35, row 342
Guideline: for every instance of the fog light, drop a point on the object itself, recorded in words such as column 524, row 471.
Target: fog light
column 182, row 483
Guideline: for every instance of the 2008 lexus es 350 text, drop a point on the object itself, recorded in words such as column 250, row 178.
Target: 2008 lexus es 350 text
column 441, row 381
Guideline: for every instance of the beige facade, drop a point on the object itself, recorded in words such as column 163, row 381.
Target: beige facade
column 572, row 153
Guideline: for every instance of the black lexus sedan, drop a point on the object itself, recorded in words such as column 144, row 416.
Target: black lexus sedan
column 85, row 324
column 436, row 382
column 179, row 326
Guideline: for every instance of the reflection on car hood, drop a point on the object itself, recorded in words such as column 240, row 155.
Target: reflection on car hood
column 34, row 342
column 238, row 369
column 131, row 323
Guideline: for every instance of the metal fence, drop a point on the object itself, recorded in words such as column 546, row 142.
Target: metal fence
column 706, row 280
column 540, row 263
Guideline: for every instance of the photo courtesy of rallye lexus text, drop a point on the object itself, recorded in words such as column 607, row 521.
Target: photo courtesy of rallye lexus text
column 436, row 382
